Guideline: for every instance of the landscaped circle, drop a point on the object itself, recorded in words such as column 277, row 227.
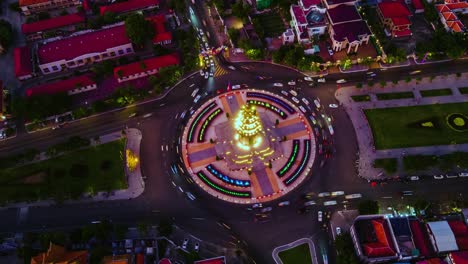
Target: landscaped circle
column 458, row 122
column 248, row 146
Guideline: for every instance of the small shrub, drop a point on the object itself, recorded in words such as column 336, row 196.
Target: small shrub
column 382, row 83
column 370, row 83
column 408, row 79
column 359, row 85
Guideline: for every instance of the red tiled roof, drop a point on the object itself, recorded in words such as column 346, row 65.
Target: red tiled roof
column 350, row 31
column 60, row 86
column 456, row 25
column 394, row 9
column 299, row 14
column 58, row 254
column 165, row 261
column 449, row 16
column 55, row 22
column 310, row 3
column 374, row 250
column 459, row 5
column 401, row 21
column 140, row 259
column 31, row 2
column 22, row 57
column 343, row 13
column 127, row 6
column 160, row 33
column 149, row 64
column 418, row 5
column 460, row 257
column 402, row 33
column 419, row 238
column 73, row 47
column 218, row 260
column 442, row 8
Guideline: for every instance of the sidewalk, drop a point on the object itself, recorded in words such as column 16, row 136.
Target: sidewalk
column 135, row 182
column 367, row 153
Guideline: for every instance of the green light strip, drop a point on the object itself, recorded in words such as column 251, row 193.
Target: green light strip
column 207, row 122
column 221, row 189
column 299, row 169
column 192, row 127
column 291, row 159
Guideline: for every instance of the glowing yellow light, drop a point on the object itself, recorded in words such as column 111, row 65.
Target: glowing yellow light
column 132, row 160
column 248, row 128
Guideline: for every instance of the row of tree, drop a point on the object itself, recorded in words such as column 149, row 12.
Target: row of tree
column 293, row 55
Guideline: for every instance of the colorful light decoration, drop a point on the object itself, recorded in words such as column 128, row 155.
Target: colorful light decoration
column 132, row 160
column 249, row 129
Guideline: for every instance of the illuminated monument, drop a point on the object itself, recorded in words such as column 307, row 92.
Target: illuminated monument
column 249, row 129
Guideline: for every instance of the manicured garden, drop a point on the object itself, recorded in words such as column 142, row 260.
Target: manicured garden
column 389, row 165
column 361, row 98
column 463, row 90
column 393, row 96
column 271, row 23
column 444, row 163
column 99, row 168
column 295, row 255
column 436, row 92
column 418, row 125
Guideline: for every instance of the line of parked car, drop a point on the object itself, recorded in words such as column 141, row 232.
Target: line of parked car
column 441, row 176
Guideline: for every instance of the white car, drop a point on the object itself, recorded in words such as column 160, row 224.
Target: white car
column 257, row 205
column 284, row 93
column 294, row 93
column 197, row 98
column 197, row 247
column 324, row 194
column 328, row 203
column 353, row 196
column 195, row 92
column 320, row 216
column 313, row 120
column 341, row 81
column 333, row 105
column 309, row 203
column 202, row 73
column 292, row 83
column 321, row 80
column 337, row 193
column 307, row 78
column 185, row 243
column 451, row 176
column 463, row 174
column 237, row 86
column 330, row 51
column 369, row 73
column 305, row 101
column 414, row 178
column 284, row 203
column 438, row 177
column 303, row 109
column 338, row 231
column 295, row 100
column 190, row 196
column 317, row 103
column 278, row 84
column 266, row 209
column 232, row 68
column 206, row 75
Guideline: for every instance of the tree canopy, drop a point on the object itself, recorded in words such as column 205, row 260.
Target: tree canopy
column 6, row 35
column 345, row 250
column 138, row 29
column 368, row 207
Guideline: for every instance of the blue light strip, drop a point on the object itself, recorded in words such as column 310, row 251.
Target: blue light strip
column 299, row 169
column 218, row 188
column 273, row 99
column 227, row 179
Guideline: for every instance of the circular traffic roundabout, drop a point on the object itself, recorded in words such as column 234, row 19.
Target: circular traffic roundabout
column 248, row 146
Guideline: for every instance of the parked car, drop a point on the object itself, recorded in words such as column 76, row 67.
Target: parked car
column 284, row 93
column 321, row 80
column 278, row 84
column 328, row 203
column 337, row 193
column 237, row 86
column 330, row 51
column 307, row 78
column 294, row 93
column 295, row 100
column 463, row 174
column 303, row 109
column 305, row 101
column 451, row 176
column 438, row 177
column 185, row 243
column 353, row 196
column 324, row 194
column 317, row 103
column 320, row 216
column 333, row 105
column 414, row 178
column 284, row 203
column 341, row 81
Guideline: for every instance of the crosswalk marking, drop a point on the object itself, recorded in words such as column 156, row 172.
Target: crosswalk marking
column 219, row 71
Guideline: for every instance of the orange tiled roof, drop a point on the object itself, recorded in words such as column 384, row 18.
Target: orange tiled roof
column 456, row 26
column 59, row 255
column 31, row 2
column 120, row 259
column 442, row 8
column 449, row 16
column 459, row 5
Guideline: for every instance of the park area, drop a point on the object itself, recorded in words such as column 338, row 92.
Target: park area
column 89, row 170
column 271, row 23
column 415, row 126
column 295, row 255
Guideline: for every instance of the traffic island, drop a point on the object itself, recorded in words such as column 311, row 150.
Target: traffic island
column 300, row 251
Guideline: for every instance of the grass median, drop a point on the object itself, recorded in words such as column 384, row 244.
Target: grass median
column 295, row 255
column 394, row 96
column 89, row 170
column 463, row 90
column 361, row 98
column 436, row 92
column 415, row 126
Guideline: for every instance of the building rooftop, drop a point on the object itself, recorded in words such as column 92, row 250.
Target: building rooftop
column 60, row 86
column 146, row 65
column 402, row 232
column 299, row 14
column 51, row 23
column 460, row 257
column 443, row 237
column 315, row 17
column 128, row 6
column 73, row 47
column 418, row 5
column 31, row 2
column 58, row 254
column 309, row 3
column 421, row 238
column 343, row 13
column 119, row 259
column 375, row 237
column 350, row 31
column 394, row 9
column 160, row 32
column 217, row 260
column 337, row 2
column 22, row 57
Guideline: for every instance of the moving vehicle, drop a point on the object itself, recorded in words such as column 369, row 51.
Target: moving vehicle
column 278, row 84
column 303, row 210
column 303, row 109
column 414, row 178
column 307, row 78
column 185, row 243
column 257, row 205
column 321, row 80
column 328, row 203
column 451, row 176
column 313, row 120
column 284, row 203
column 324, row 194
column 353, row 196
column 202, row 73
column 463, row 174
column 295, row 100
column 333, row 105
column 284, row 93
column 320, row 216
column 317, row 103
column 197, row 98
column 132, row 115
column 294, row 93
column 291, row 83
column 305, row 101
column 261, row 218
column 237, row 86
column 232, row 67
column 195, row 92
column 266, row 209
column 309, row 203
column 190, row 196
column 438, row 177
column 341, row 81
column 337, row 193
column 206, row 75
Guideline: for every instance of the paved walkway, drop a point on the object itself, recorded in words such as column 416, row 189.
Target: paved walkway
column 136, row 185
column 367, row 152
column 277, row 250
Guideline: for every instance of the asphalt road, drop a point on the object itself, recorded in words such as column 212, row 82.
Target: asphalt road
column 200, row 217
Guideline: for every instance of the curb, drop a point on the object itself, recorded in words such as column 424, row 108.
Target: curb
column 407, row 64
column 281, row 65
column 308, row 241
column 352, row 71
column 431, row 62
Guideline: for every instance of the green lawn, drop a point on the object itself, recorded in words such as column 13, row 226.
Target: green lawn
column 415, row 126
column 388, row 165
column 463, row 90
column 436, row 92
column 296, row 255
column 272, row 24
column 392, row 96
column 89, row 170
column 361, row 98
column 445, row 163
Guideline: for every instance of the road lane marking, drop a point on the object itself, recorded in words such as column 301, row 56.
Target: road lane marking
column 162, row 147
column 167, row 147
column 192, row 85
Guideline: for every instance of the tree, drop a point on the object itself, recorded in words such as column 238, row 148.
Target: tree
column 138, row 29
column 6, row 35
column 368, row 207
column 345, row 253
column 165, row 227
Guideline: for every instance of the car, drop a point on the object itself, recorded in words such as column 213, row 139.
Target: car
column 211, row 73
column 369, row 73
column 308, row 195
column 206, row 75
column 303, row 109
column 284, row 93
column 330, row 51
column 438, row 177
column 313, row 120
column 330, row 129
column 278, row 84
column 244, row 86
column 341, row 81
column 195, row 92
column 451, row 176
column 333, row 105
column 232, row 67
column 320, row 216
column 197, row 247
column 206, row 45
column 185, row 243
column 373, row 75
column 415, row 72
column 294, row 93
column 257, row 205
column 353, row 196
column 338, row 231
column 309, row 79
column 133, row 114
column 305, row 101
column 328, row 203
column 324, row 194
column 237, row 86
column 295, row 100
column 291, row 83
column 414, row 178
column 197, row 98
column 190, row 196
column 463, row 174
column 202, row 72
column 337, row 193
column 309, row 203
column 407, row 193
column 266, row 209
column 261, row 218
column 317, row 103
column 284, row 203
column 321, row 80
